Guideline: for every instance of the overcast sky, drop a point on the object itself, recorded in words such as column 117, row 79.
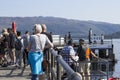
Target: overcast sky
column 97, row 10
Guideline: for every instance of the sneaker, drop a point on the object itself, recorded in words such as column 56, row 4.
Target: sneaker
column 4, row 65
column 19, row 67
column 12, row 64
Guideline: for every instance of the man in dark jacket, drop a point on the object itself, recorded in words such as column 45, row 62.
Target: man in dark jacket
column 11, row 46
column 46, row 51
column 44, row 31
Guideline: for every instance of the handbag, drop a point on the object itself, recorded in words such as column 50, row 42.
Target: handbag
column 44, row 62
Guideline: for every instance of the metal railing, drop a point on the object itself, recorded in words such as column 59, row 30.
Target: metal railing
column 56, row 63
column 99, row 68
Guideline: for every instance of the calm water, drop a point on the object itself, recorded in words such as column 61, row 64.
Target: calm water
column 116, row 43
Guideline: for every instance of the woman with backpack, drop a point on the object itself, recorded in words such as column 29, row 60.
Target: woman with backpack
column 18, row 49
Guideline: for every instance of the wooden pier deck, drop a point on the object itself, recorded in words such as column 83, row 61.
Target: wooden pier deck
column 13, row 73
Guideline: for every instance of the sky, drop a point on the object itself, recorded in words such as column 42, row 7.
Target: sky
column 96, row 10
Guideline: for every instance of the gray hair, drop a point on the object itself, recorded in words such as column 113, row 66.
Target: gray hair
column 43, row 27
column 37, row 28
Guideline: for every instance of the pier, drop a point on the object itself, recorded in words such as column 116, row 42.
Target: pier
column 13, row 73
column 56, row 66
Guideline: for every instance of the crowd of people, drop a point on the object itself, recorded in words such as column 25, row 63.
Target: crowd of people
column 19, row 51
column 12, row 46
column 31, row 49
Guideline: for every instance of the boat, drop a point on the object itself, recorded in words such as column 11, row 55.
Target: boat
column 103, row 48
column 106, row 57
column 103, row 66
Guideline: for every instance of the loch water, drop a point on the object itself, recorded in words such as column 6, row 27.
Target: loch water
column 116, row 50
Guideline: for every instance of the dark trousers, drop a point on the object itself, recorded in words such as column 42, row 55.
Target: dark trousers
column 35, row 77
column 25, row 56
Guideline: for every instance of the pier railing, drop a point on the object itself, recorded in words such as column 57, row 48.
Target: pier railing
column 57, row 65
column 99, row 68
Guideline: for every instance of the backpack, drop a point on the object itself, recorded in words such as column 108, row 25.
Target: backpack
column 82, row 52
column 18, row 44
column 4, row 42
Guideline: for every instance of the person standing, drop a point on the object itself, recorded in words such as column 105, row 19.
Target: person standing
column 18, row 49
column 102, row 38
column 69, row 36
column 11, row 46
column 65, row 39
column 69, row 54
column 90, row 35
column 84, row 53
column 47, row 55
column 44, row 31
column 37, row 43
column 26, row 38
column 4, row 46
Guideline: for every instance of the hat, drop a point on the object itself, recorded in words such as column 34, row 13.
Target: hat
column 37, row 28
column 4, row 31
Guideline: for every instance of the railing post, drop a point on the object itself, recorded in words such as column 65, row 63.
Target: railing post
column 58, row 69
column 52, row 65
column 49, row 64
column 100, row 67
column 107, row 69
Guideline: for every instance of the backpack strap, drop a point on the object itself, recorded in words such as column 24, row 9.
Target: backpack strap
column 40, row 42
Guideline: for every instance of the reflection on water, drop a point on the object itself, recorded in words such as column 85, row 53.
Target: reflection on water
column 116, row 43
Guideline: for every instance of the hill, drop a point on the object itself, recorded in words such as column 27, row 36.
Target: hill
column 60, row 25
column 113, row 35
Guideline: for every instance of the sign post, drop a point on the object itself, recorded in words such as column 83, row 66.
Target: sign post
column 14, row 27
